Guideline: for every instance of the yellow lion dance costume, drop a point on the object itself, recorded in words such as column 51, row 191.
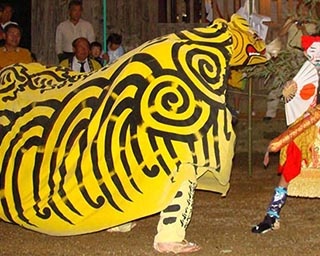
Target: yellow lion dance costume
column 82, row 153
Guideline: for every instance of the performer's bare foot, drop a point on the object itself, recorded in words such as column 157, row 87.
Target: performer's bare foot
column 176, row 247
column 122, row 228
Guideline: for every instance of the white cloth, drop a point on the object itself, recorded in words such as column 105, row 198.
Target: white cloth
column 67, row 32
column 114, row 55
column 209, row 11
column 256, row 20
column 7, row 23
column 306, row 76
column 76, row 65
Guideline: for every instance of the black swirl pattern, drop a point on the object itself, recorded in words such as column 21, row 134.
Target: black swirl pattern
column 83, row 153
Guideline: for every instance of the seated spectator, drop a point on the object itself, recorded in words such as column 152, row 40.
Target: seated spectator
column 115, row 49
column 11, row 53
column 96, row 52
column 5, row 20
column 81, row 60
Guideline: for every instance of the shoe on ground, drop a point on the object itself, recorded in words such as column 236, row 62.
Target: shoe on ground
column 269, row 223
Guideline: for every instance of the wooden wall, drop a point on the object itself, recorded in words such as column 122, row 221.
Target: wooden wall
column 136, row 20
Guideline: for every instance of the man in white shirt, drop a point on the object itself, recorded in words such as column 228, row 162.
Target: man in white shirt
column 72, row 28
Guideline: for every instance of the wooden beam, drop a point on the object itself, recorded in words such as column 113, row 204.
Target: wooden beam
column 203, row 11
column 265, row 7
column 225, row 8
column 191, row 12
column 179, row 11
column 169, row 11
column 236, row 5
column 279, row 13
column 291, row 6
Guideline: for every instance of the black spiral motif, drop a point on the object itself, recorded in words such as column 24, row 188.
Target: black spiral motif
column 77, row 145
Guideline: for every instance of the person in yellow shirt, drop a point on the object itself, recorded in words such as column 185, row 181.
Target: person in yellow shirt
column 11, row 53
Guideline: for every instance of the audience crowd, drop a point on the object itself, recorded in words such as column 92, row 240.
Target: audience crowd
column 77, row 48
column 75, row 42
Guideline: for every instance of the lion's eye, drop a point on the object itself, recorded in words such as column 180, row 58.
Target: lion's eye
column 254, row 34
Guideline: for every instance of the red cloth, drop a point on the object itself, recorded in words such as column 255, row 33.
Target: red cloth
column 292, row 166
column 307, row 41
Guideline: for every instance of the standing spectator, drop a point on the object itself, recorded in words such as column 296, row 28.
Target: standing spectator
column 5, row 19
column 72, row 28
column 115, row 49
column 11, row 53
column 96, row 52
column 80, row 61
column 295, row 26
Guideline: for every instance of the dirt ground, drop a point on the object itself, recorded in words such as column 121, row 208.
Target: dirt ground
column 220, row 225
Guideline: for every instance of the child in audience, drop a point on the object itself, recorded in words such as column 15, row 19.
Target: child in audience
column 115, row 49
column 96, row 52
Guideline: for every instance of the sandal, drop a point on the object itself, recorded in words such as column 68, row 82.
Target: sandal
column 176, row 247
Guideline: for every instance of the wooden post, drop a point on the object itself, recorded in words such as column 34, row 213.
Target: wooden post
column 104, row 36
column 203, row 11
column 290, row 7
column 279, row 12
column 214, row 11
column 236, row 5
column 265, row 7
column 191, row 12
column 225, row 8
column 179, row 11
column 169, row 11
column 251, row 3
column 250, row 126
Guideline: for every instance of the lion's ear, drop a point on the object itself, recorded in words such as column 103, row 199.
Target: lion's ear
column 218, row 21
column 237, row 21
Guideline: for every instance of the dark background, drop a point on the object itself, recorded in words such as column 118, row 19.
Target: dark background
column 22, row 15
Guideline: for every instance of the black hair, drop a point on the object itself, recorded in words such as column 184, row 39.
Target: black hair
column 12, row 25
column 75, row 3
column 4, row 5
column 114, row 38
column 96, row 44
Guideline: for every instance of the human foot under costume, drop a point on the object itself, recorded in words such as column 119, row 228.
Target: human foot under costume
column 88, row 152
column 300, row 146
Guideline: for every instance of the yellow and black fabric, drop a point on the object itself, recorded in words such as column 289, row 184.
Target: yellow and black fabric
column 85, row 152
